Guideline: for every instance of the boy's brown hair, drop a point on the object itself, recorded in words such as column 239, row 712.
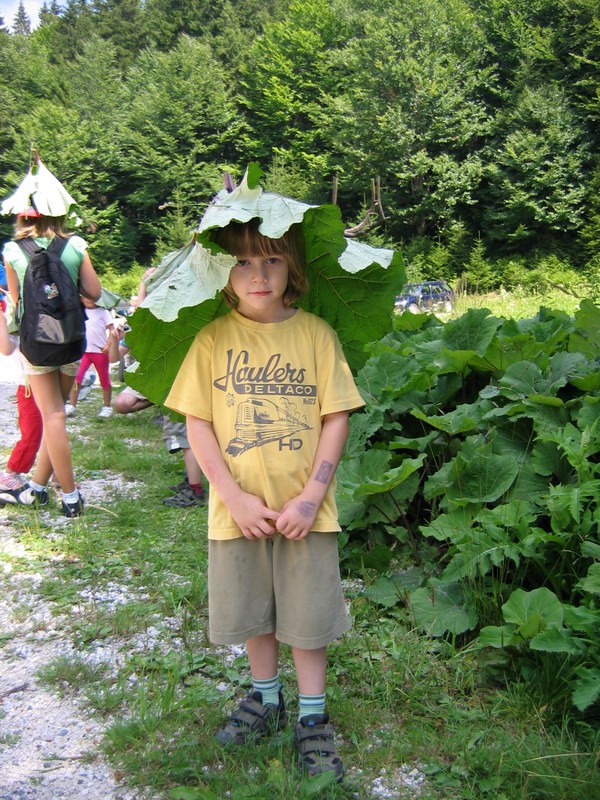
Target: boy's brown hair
column 244, row 238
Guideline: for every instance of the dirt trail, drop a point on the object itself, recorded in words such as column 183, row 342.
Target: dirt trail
column 48, row 744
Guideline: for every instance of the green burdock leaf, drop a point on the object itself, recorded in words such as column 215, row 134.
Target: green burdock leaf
column 532, row 612
column 454, row 526
column 160, row 351
column 255, row 174
column 472, row 331
column 522, row 379
column 454, row 360
column 526, row 380
column 591, row 582
column 385, row 592
column 581, row 618
column 375, row 484
column 351, row 285
column 590, row 549
column 556, row 640
column 462, row 419
column 587, row 334
column 497, row 636
column 441, row 608
column 483, row 478
column 587, row 688
column 184, row 279
column 354, row 472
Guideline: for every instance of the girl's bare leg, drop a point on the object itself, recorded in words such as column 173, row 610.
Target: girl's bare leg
column 50, row 392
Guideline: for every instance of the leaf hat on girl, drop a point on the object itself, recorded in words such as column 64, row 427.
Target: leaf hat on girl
column 40, row 193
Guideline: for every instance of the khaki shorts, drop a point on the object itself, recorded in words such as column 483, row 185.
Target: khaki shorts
column 66, row 369
column 289, row 588
column 175, row 435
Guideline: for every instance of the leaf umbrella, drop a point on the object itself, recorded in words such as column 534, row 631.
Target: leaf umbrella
column 351, row 285
column 41, row 190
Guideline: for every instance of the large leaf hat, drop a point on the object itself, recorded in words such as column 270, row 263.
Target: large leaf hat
column 351, row 285
column 40, row 190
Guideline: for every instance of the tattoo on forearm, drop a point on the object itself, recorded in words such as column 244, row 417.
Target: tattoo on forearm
column 324, row 472
column 307, row 509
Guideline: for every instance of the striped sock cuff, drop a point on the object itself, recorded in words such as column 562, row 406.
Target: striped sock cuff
column 310, row 704
column 269, row 689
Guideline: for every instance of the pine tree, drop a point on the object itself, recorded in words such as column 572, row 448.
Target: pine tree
column 49, row 12
column 21, row 21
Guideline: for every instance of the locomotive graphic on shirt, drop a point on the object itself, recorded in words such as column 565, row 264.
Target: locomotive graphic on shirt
column 259, row 422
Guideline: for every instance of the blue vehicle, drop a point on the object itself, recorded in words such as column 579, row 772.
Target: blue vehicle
column 425, row 296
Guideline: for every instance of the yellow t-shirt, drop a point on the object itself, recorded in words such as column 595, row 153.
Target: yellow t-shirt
column 265, row 388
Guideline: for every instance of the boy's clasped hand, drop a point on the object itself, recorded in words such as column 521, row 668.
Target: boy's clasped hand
column 257, row 521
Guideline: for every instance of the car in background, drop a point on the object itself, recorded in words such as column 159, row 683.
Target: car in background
column 425, row 296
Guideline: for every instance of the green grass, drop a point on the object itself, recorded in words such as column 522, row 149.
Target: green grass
column 129, row 581
column 516, row 305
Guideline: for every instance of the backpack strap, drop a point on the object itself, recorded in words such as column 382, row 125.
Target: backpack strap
column 29, row 246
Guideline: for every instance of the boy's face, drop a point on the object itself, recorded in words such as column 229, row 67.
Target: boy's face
column 260, row 282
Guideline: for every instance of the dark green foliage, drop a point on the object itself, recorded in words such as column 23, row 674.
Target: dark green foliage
column 479, row 116
column 477, row 458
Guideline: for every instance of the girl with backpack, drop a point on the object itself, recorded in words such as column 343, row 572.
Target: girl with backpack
column 50, row 385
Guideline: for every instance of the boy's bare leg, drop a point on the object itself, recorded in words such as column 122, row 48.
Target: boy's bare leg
column 263, row 655
column 192, row 468
column 311, row 668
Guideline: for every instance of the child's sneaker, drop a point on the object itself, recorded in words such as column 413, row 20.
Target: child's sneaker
column 315, row 743
column 185, row 498
column 177, row 487
column 105, row 412
column 252, row 720
column 9, row 481
column 73, row 509
column 70, row 410
column 26, row 496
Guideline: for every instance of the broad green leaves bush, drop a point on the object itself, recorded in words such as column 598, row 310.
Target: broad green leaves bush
column 478, row 459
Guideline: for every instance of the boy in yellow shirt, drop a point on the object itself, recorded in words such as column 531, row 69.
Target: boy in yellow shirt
column 267, row 392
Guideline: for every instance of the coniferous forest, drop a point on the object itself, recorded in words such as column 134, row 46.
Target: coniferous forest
column 479, row 117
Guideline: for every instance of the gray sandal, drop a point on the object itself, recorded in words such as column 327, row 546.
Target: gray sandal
column 252, row 720
column 316, row 746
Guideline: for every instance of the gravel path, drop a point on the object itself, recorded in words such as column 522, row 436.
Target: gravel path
column 48, row 743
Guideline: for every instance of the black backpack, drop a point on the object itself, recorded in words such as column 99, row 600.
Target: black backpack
column 51, row 314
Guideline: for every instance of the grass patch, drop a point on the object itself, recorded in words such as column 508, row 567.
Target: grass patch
column 415, row 717
column 71, row 672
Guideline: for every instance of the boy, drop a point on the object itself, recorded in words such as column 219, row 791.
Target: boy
column 266, row 392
